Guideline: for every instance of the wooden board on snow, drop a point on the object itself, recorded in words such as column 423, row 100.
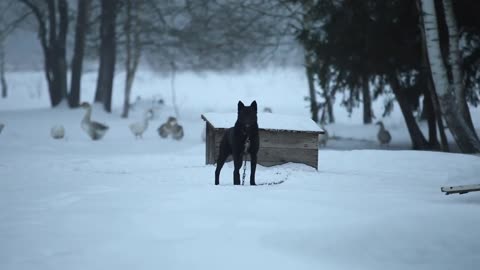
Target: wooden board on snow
column 460, row 189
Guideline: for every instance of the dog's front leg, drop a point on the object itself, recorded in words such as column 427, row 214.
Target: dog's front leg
column 253, row 165
column 237, row 159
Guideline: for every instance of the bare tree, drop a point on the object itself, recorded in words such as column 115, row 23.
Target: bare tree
column 314, row 108
column 306, row 24
column 449, row 90
column 214, row 35
column 431, row 87
column 78, row 52
column 2, row 69
column 107, row 53
column 133, row 49
column 454, row 62
column 7, row 25
column 366, row 99
column 52, row 20
column 418, row 140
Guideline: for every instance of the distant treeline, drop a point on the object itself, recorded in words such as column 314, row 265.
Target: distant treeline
column 424, row 54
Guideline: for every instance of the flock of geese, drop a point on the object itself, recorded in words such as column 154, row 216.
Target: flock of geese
column 96, row 130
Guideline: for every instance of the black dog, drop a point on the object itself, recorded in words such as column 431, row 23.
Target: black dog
column 238, row 140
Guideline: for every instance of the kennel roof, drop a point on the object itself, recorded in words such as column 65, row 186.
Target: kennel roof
column 266, row 121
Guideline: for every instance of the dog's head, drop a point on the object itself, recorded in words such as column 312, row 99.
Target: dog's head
column 247, row 115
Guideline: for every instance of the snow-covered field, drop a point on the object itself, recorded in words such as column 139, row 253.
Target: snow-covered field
column 122, row 203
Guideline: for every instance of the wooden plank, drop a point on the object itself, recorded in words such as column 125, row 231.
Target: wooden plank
column 299, row 140
column 267, row 163
column 210, row 145
column 286, row 121
column 271, row 139
column 305, row 156
column 277, row 156
column 207, row 144
column 267, row 121
column 460, row 189
column 298, row 148
column 219, row 135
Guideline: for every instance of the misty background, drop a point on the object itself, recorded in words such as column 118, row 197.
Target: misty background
column 409, row 54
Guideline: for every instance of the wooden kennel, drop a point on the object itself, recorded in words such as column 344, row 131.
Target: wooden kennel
column 283, row 138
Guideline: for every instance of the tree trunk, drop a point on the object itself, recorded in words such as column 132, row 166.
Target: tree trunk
column 436, row 105
column 106, row 71
column 418, row 140
column 329, row 100
column 438, row 116
column 424, row 113
column 133, row 52
column 431, row 87
column 78, row 53
column 454, row 63
column 464, row 136
column 367, row 101
column 53, row 45
column 329, row 107
column 328, row 94
column 2, row 69
column 56, row 66
column 307, row 25
column 314, row 108
column 128, row 60
column 431, row 120
column 128, row 88
column 327, row 115
column 61, row 48
column 53, row 56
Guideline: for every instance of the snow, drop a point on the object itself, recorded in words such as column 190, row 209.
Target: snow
column 266, row 121
column 122, row 203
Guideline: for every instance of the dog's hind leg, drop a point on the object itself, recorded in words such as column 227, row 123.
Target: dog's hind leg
column 222, row 157
column 253, row 165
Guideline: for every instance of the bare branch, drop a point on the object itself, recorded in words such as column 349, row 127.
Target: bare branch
column 42, row 30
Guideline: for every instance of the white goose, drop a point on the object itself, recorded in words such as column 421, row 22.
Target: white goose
column 57, row 132
column 94, row 129
column 138, row 128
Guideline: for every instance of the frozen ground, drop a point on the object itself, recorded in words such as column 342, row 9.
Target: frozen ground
column 122, row 203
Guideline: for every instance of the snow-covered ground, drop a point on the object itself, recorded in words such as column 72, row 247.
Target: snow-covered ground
column 122, row 203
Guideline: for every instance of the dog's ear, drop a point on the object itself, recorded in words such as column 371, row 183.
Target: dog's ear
column 240, row 105
column 254, row 105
